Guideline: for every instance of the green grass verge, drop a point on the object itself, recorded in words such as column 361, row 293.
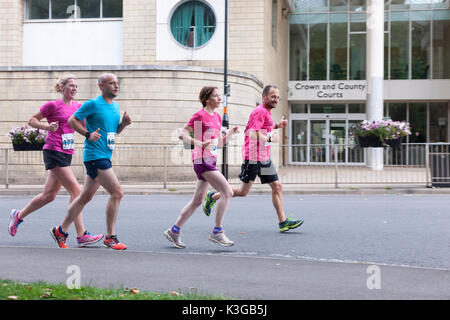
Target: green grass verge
column 10, row 290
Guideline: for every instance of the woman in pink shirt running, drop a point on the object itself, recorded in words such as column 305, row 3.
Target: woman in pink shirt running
column 58, row 151
column 206, row 127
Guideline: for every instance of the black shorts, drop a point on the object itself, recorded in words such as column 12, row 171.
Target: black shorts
column 93, row 166
column 265, row 170
column 54, row 159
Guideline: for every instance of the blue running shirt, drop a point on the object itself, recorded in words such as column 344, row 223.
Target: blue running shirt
column 99, row 114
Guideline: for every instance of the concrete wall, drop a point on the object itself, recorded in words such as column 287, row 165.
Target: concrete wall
column 12, row 13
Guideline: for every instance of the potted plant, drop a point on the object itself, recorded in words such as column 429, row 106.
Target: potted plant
column 27, row 138
column 380, row 133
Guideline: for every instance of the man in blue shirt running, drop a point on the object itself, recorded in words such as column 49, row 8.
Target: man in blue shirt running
column 102, row 116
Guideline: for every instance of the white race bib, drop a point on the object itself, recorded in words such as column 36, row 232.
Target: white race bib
column 111, row 140
column 269, row 134
column 214, row 149
column 67, row 141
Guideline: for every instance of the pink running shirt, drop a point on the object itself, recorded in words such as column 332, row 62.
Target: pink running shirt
column 58, row 111
column 205, row 127
column 260, row 120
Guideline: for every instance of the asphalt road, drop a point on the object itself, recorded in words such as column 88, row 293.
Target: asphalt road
column 350, row 247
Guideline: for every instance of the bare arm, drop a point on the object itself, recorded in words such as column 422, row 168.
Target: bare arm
column 281, row 124
column 78, row 126
column 126, row 121
column 184, row 135
column 35, row 122
column 258, row 135
column 227, row 136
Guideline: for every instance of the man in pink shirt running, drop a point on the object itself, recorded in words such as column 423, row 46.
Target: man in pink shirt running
column 257, row 162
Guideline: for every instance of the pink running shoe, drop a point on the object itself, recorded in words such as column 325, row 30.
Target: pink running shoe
column 88, row 239
column 14, row 222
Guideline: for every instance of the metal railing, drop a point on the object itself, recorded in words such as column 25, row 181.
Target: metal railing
column 412, row 164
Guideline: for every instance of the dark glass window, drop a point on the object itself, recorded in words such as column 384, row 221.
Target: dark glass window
column 420, row 44
column 38, row 9
column 399, row 45
column 298, row 54
column 318, row 47
column 327, row 108
column 112, row 8
column 63, row 9
column 68, row 9
column 89, row 8
column 441, row 44
column 418, row 121
column 338, row 46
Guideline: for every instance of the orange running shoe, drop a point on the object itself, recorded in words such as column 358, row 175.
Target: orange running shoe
column 59, row 237
column 114, row 243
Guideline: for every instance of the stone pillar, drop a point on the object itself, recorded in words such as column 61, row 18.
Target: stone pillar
column 375, row 73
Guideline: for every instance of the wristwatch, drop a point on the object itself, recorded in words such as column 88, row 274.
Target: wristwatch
column 87, row 135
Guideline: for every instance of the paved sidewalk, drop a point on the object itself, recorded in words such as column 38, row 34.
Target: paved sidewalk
column 147, row 189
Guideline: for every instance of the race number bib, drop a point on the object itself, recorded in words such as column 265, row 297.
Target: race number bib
column 269, row 134
column 111, row 140
column 67, row 141
column 214, row 149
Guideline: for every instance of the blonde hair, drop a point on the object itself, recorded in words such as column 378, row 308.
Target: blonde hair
column 61, row 82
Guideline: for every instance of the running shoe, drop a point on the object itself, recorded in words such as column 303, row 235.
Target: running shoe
column 88, row 238
column 114, row 243
column 209, row 203
column 174, row 238
column 290, row 224
column 221, row 239
column 59, row 238
column 14, row 222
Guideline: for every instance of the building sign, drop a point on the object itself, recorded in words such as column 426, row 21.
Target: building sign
column 327, row 90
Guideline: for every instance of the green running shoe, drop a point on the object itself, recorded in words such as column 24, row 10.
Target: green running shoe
column 289, row 224
column 209, row 203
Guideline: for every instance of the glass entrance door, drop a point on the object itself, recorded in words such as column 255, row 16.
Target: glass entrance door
column 320, row 141
column 318, row 144
column 337, row 134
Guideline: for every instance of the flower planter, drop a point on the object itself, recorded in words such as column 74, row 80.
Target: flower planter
column 397, row 143
column 366, row 142
column 375, row 142
column 28, row 146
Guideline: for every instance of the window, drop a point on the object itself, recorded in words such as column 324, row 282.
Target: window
column 192, row 24
column 67, row 9
column 441, row 44
column 332, row 45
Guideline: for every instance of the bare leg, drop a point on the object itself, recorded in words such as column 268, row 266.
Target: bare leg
column 51, row 189
column 108, row 180
column 200, row 191
column 67, row 179
column 77, row 205
column 218, row 182
column 242, row 191
column 277, row 199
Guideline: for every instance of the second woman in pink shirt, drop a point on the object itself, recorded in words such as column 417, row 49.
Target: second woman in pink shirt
column 207, row 138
